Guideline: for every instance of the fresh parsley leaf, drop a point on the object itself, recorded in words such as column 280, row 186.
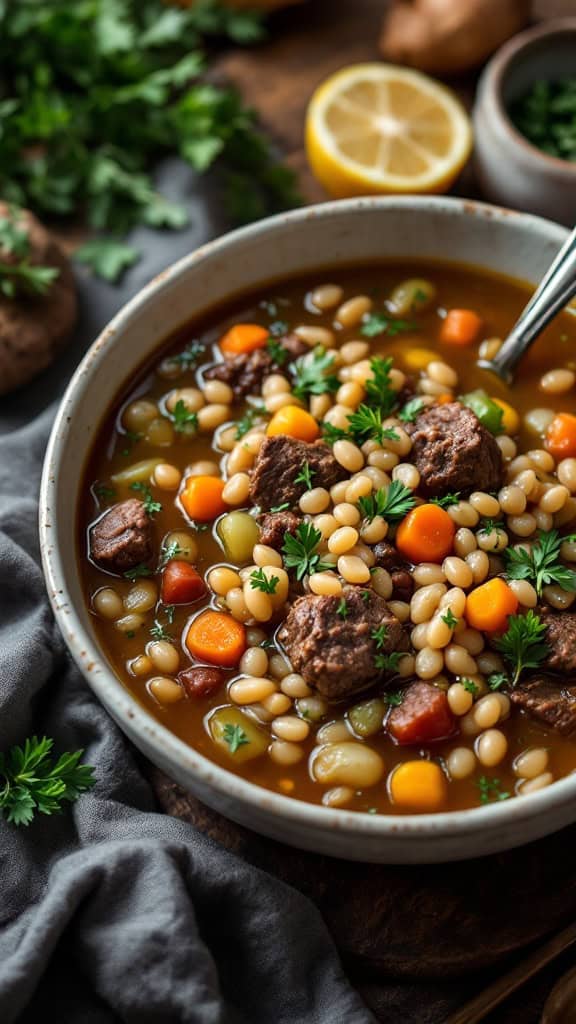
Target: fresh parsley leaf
column 411, row 410
column 489, row 526
column 490, row 790
column 137, row 572
column 312, row 374
column 185, row 421
column 541, row 565
column 388, row 662
column 523, row 645
column 169, row 611
column 278, row 329
column 305, row 475
column 471, row 686
column 18, row 275
column 391, row 503
column 234, row 736
column 253, row 413
column 380, row 635
column 150, row 505
column 276, row 351
column 190, row 355
column 383, row 323
column 259, row 581
column 393, row 700
column 30, row 782
column 450, row 619
column 280, row 508
column 159, row 632
column 379, row 390
column 366, row 424
column 446, row 500
column 497, row 680
column 172, row 551
column 342, row 609
column 300, row 551
column 108, row 258
column 104, row 493
column 332, row 434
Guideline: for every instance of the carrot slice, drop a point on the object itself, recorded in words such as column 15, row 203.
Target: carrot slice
column 202, row 498
column 460, row 327
column 418, row 786
column 561, row 436
column 294, row 422
column 426, row 534
column 488, row 606
column 243, row 338
column 216, row 638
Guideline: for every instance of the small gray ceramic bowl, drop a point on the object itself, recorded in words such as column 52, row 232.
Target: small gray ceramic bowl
column 510, row 169
column 336, row 234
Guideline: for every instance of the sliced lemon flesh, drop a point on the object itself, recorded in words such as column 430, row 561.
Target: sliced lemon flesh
column 378, row 128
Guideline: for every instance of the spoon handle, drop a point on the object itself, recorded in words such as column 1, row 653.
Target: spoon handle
column 555, row 291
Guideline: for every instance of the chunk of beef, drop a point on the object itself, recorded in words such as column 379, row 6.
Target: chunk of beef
column 246, row 373
column 338, row 656
column 201, row 681
column 273, row 526
column 453, row 451
column 424, row 715
column 122, row 538
column 552, row 701
column 561, row 639
column 387, row 557
column 279, row 462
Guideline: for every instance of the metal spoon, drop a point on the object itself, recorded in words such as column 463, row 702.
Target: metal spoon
column 554, row 292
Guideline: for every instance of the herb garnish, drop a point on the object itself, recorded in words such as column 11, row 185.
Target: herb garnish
column 247, row 422
column 137, row 572
column 150, row 505
column 278, row 329
column 379, row 390
column 312, row 374
column 259, row 581
column 104, row 493
column 393, row 700
column 132, row 438
column 305, row 475
column 184, row 420
column 411, row 410
column 391, row 503
column 276, row 351
column 388, row 662
column 490, row 790
column 234, row 736
column 471, row 686
column 31, row 783
column 380, row 635
column 190, row 355
column 447, row 500
column 366, row 424
column 523, row 645
column 450, row 619
column 172, row 551
column 159, row 632
column 331, row 434
column 383, row 323
column 280, row 508
column 19, row 276
column 342, row 609
column 300, row 552
column 540, row 565
column 489, row 526
column 497, row 680
column 546, row 116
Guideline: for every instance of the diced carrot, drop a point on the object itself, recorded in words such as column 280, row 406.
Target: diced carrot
column 460, row 327
column 216, row 638
column 418, row 786
column 243, row 338
column 294, row 422
column 561, row 436
column 181, row 584
column 202, row 498
column 488, row 606
column 444, row 399
column 426, row 534
column 423, row 716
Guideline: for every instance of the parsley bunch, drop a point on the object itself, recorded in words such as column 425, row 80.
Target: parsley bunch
column 30, row 782
column 312, row 374
column 541, row 565
column 522, row 645
column 95, row 93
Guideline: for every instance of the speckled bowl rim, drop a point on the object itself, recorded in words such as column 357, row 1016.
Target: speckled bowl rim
column 90, row 659
column 493, row 80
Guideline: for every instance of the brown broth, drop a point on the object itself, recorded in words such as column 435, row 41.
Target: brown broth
column 499, row 301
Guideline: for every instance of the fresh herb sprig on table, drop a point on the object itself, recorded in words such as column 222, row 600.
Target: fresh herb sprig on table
column 18, row 275
column 523, row 645
column 31, row 782
column 95, row 94
column 541, row 564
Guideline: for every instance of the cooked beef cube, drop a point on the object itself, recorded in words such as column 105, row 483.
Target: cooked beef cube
column 246, row 373
column 387, row 557
column 279, row 462
column 561, row 639
column 453, row 451
column 552, row 701
column 337, row 655
column 201, row 682
column 424, row 715
column 273, row 526
column 122, row 538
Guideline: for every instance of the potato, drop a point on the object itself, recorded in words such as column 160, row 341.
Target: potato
column 237, row 735
column 238, row 532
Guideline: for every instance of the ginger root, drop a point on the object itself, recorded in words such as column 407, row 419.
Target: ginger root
column 449, row 36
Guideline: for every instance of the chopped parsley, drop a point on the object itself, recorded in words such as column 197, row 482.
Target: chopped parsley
column 541, row 564
column 446, row 500
column 189, row 356
column 277, row 351
column 490, row 790
column 497, row 680
column 471, row 686
column 280, row 508
column 366, row 424
column 393, row 700
column 450, row 619
column 259, row 581
column 523, row 645
column 172, row 551
column 300, row 551
column 150, row 505
column 391, row 503
column 379, row 390
column 104, row 493
column 411, row 410
column 388, row 662
column 159, row 632
column 380, row 635
column 137, row 572
column 234, row 736
column 278, row 328
column 253, row 413
column 305, row 475
column 342, row 609
column 383, row 323
column 312, row 374
column 489, row 526
column 331, row 434
column 184, row 420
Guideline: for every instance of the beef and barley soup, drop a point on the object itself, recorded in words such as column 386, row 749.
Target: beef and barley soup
column 333, row 556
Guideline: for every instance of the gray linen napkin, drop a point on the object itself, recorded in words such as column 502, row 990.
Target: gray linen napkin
column 114, row 912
